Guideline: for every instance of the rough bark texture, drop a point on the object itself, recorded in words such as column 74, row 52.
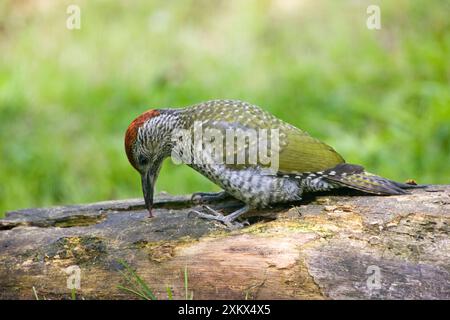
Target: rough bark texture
column 329, row 247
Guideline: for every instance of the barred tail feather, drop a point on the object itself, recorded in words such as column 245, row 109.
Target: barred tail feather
column 355, row 177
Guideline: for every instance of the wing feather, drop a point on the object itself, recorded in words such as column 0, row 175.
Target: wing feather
column 298, row 151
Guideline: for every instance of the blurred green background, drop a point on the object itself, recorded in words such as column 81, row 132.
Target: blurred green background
column 380, row 97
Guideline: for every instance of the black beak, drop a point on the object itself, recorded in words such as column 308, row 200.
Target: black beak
column 148, row 183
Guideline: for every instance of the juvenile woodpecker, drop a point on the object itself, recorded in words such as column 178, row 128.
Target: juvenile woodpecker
column 303, row 163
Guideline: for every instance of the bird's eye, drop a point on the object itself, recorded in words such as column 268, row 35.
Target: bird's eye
column 142, row 160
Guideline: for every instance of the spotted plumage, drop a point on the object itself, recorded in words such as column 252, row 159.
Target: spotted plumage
column 304, row 164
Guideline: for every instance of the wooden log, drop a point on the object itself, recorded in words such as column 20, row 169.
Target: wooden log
column 333, row 246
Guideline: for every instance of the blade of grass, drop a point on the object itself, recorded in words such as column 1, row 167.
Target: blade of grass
column 148, row 292
column 186, row 286
column 145, row 288
column 134, row 292
column 133, row 284
column 186, row 282
column 35, row 293
column 169, row 293
column 128, row 278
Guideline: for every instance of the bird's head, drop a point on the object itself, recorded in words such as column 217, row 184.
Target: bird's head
column 147, row 144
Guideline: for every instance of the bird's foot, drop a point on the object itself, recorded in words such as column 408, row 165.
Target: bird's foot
column 228, row 220
column 203, row 197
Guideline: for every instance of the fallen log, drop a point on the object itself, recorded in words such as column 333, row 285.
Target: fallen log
column 332, row 246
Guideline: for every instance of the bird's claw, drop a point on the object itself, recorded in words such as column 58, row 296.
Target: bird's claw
column 216, row 215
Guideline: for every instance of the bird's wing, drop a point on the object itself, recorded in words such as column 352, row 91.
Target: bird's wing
column 303, row 153
column 297, row 151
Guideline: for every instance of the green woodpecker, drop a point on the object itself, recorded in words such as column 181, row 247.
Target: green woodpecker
column 252, row 155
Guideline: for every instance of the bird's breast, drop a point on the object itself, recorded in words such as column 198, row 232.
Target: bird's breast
column 254, row 186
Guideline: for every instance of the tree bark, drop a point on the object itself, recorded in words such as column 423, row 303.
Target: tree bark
column 332, row 246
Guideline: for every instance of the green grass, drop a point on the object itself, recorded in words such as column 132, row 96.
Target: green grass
column 138, row 287
column 381, row 98
column 35, row 294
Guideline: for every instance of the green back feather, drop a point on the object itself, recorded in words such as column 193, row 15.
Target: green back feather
column 299, row 152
